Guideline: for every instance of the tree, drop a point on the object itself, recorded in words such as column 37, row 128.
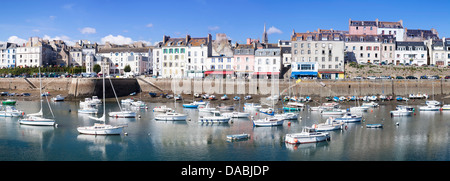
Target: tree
column 127, row 68
column 97, row 68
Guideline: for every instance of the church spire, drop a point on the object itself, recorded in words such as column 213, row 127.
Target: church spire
column 265, row 39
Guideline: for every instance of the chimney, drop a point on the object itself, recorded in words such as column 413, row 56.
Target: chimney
column 349, row 21
column 165, row 38
column 209, row 38
column 249, row 41
column 376, row 22
column 187, row 39
column 401, row 22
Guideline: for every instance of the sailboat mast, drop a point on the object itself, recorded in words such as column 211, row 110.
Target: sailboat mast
column 40, row 87
column 104, row 102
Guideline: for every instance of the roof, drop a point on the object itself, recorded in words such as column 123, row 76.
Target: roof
column 363, row 23
column 384, row 24
column 123, row 49
column 413, row 45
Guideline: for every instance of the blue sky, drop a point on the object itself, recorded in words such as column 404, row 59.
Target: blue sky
column 131, row 20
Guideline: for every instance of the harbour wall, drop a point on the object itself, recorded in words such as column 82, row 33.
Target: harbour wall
column 86, row 87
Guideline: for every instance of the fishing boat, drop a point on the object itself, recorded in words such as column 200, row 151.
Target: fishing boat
column 359, row 109
column 248, row 97
column 235, row 137
column 37, row 119
column 348, row 117
column 268, row 121
column 308, row 135
column 190, row 105
column 177, row 97
column 139, row 104
column 329, row 125
column 9, row 102
column 126, row 101
column 432, row 103
column 333, row 112
column 96, row 100
column 212, row 97
column 402, row 110
column 370, row 104
column 446, row 107
column 236, row 98
column 10, row 111
column 251, row 107
column 58, row 97
column 269, row 111
column 429, row 108
column 237, row 114
column 287, row 116
column 206, row 108
column 163, row 109
column 215, row 118
column 224, row 97
column 152, row 94
column 374, row 125
column 197, row 95
column 171, row 116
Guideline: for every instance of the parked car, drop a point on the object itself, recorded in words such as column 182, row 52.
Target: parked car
column 447, row 77
column 433, row 77
column 423, row 77
column 399, row 77
column 371, row 77
column 411, row 77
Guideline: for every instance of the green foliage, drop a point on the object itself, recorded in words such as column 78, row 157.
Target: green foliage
column 97, row 68
column 127, row 68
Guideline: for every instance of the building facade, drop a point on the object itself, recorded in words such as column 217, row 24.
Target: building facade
column 267, row 62
column 324, row 47
column 8, row 55
column 409, row 53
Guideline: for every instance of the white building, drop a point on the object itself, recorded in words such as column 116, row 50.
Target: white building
column 36, row 52
column 391, row 28
column 439, row 51
column 411, row 53
column 7, row 55
column 181, row 57
column 120, row 56
column 267, row 62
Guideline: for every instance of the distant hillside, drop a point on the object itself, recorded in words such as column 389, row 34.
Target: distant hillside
column 354, row 70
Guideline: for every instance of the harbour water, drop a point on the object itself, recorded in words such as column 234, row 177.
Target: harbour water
column 422, row 137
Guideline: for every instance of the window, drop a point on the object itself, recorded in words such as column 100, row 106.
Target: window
column 164, row 50
column 336, row 59
column 182, row 50
column 170, row 50
column 238, row 59
column 176, row 50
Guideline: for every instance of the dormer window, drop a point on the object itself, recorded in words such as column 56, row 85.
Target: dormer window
column 361, row 39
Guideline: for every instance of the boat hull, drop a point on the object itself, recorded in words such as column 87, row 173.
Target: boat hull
column 264, row 123
column 189, row 106
column 122, row 114
column 91, row 130
column 213, row 120
column 300, row 138
column 238, row 136
column 171, row 118
column 37, row 122
column 349, row 120
column 401, row 113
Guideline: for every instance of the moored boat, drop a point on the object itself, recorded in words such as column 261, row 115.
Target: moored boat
column 215, row 118
column 329, row 125
column 171, row 116
column 374, row 125
column 348, row 117
column 268, row 121
column 308, row 135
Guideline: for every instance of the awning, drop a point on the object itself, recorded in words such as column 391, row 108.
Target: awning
column 266, row 73
column 219, row 72
column 303, row 73
column 331, row 72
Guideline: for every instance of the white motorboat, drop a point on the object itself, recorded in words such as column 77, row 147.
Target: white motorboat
column 88, row 110
column 296, row 104
column 308, row 135
column 329, row 125
column 268, row 121
column 162, row 109
column 287, row 116
column 348, row 117
column 370, row 104
column 96, row 100
column 58, row 97
column 206, row 108
column 171, row 116
column 139, row 104
column 333, row 112
column 429, row 108
column 252, row 107
column 215, row 118
column 127, row 101
column 237, row 114
column 122, row 114
column 359, row 109
column 402, row 110
column 10, row 111
column 432, row 103
column 88, row 102
column 446, row 107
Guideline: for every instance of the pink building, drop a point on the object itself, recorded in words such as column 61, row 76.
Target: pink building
column 362, row 27
column 244, row 59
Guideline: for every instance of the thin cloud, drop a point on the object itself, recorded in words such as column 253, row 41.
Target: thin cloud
column 149, row 25
column 119, row 39
column 88, row 30
column 273, row 30
column 213, row 28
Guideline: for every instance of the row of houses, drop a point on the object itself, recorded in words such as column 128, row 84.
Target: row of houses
column 317, row 54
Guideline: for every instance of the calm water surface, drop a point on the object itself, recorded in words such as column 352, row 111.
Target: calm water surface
column 424, row 136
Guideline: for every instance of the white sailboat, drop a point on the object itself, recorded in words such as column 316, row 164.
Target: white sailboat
column 329, row 125
column 122, row 113
column 10, row 111
column 37, row 119
column 101, row 129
